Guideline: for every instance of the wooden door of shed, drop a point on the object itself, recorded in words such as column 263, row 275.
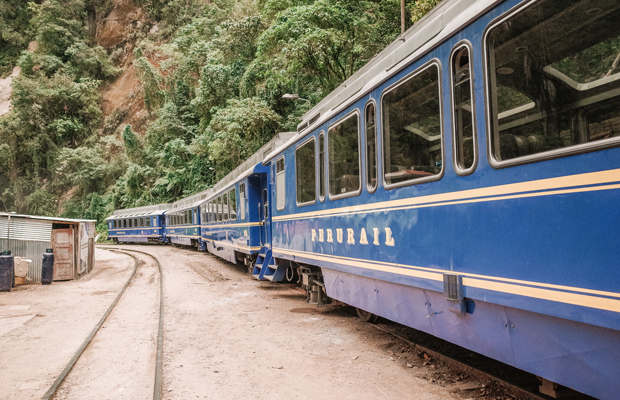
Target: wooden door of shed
column 62, row 243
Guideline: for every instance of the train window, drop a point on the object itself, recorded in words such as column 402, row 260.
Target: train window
column 242, row 200
column 219, row 208
column 280, row 184
column 148, row 221
column 412, row 129
column 322, row 166
column 554, row 80
column 305, row 173
column 225, row 207
column 210, row 211
column 371, row 148
column 463, row 111
column 233, row 204
column 344, row 156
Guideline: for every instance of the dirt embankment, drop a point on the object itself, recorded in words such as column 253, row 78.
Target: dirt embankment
column 121, row 101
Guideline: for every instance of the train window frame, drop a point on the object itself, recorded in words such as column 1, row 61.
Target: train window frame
column 456, row 162
column 148, row 222
column 369, row 187
column 242, row 200
column 225, row 206
column 312, row 167
column 352, row 193
column 434, row 62
column 219, row 208
column 322, row 176
column 280, row 183
column 490, row 103
column 232, row 199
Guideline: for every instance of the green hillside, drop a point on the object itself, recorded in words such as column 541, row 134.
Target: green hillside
column 83, row 138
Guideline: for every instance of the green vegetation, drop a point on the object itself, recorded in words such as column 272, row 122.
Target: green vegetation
column 211, row 75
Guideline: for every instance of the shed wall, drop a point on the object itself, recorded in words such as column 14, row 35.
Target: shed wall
column 30, row 249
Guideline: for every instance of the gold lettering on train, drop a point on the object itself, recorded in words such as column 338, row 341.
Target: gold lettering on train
column 389, row 240
column 350, row 236
column 363, row 238
column 326, row 235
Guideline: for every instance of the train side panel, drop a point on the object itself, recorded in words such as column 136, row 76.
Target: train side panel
column 533, row 244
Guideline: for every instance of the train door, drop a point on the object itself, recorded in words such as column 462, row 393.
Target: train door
column 264, row 215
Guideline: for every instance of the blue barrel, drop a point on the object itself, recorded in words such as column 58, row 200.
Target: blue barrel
column 47, row 271
column 7, row 271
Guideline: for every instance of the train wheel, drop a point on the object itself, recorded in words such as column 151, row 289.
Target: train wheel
column 251, row 265
column 291, row 275
column 366, row 316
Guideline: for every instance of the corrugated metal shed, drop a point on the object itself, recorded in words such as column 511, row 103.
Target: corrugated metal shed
column 25, row 229
column 29, row 236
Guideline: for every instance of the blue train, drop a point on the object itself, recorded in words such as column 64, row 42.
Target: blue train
column 139, row 224
column 465, row 182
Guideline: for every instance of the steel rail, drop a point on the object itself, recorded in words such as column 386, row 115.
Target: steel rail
column 52, row 390
column 464, row 367
column 160, row 333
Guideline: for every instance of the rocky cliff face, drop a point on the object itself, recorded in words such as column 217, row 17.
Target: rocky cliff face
column 120, row 99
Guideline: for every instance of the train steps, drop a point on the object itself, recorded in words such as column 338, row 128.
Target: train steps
column 266, row 268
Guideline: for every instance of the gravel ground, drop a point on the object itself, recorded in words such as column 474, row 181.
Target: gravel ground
column 227, row 336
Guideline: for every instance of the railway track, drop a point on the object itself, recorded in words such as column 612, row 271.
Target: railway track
column 141, row 282
column 516, row 383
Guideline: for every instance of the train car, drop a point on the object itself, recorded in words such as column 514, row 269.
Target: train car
column 466, row 183
column 183, row 221
column 139, row 224
column 235, row 217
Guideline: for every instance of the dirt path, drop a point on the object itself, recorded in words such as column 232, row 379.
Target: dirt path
column 227, row 336
column 63, row 314
column 129, row 334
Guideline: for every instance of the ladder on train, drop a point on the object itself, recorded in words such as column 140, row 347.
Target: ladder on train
column 266, row 267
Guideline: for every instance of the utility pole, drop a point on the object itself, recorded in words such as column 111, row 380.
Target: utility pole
column 402, row 16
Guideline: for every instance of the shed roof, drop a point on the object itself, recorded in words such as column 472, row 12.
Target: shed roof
column 52, row 219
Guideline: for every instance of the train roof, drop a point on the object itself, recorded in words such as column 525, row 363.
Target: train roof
column 243, row 170
column 435, row 27
column 140, row 211
column 257, row 158
column 191, row 201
